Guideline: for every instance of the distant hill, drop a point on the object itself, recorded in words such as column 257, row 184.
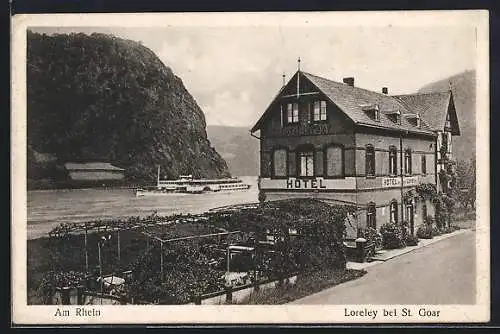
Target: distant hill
column 464, row 94
column 102, row 98
column 237, row 147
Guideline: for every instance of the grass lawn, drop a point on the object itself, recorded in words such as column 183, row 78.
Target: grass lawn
column 306, row 284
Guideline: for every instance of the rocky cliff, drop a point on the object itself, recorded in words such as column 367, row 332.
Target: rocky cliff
column 101, row 98
column 237, row 147
column 463, row 86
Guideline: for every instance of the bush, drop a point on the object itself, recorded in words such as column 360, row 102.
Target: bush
column 411, row 240
column 436, row 231
column 372, row 236
column 392, row 236
column 429, row 220
column 448, row 229
column 425, row 232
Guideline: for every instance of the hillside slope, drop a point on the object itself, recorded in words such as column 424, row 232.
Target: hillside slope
column 101, row 98
column 464, row 94
column 237, row 147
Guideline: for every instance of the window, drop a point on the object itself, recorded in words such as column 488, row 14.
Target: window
column 424, row 164
column 319, row 111
column 370, row 161
column 408, row 161
column 424, row 211
column 393, row 160
column 306, row 161
column 447, row 124
column 371, row 216
column 334, row 161
column 292, row 112
column 279, row 163
column 394, row 212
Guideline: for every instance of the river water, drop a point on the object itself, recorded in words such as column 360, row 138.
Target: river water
column 48, row 208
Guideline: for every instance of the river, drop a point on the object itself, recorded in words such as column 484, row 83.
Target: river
column 48, row 208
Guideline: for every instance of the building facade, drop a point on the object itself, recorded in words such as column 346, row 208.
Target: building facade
column 94, row 171
column 346, row 145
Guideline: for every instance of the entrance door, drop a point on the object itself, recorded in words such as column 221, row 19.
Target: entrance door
column 409, row 215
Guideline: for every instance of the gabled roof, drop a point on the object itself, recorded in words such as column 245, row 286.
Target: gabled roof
column 433, row 107
column 92, row 166
column 353, row 100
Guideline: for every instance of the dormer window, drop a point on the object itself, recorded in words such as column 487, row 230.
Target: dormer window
column 414, row 119
column 292, row 112
column 319, row 111
column 394, row 116
column 372, row 110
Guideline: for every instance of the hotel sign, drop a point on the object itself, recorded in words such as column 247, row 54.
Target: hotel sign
column 312, row 184
column 389, row 182
column 316, row 183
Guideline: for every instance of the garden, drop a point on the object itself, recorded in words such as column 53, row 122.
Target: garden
column 397, row 235
column 176, row 259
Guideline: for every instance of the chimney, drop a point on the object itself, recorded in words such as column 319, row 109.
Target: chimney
column 385, row 90
column 349, row 81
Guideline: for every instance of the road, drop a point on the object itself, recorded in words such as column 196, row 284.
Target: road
column 441, row 273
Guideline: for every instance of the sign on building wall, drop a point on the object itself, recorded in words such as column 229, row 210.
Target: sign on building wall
column 389, row 182
column 306, row 129
column 316, row 183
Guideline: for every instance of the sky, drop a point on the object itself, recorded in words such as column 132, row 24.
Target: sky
column 234, row 73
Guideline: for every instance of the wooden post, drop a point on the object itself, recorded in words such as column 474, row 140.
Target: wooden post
column 100, row 270
column 197, row 299
column 65, row 295
column 228, row 259
column 80, row 295
column 229, row 294
column 161, row 258
column 86, row 251
column 118, row 240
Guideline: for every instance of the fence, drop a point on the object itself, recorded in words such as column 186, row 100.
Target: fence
column 234, row 294
column 79, row 296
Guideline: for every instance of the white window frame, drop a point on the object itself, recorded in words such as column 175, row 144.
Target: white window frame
column 292, row 112
column 306, row 159
column 319, row 111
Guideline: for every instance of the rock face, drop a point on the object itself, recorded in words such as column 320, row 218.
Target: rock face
column 102, row 98
column 463, row 86
column 237, row 147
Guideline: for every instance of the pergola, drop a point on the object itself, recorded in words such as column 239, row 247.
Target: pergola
column 144, row 226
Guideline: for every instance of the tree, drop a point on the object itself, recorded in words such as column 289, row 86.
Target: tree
column 465, row 191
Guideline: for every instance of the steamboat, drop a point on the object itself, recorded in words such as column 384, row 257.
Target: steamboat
column 187, row 184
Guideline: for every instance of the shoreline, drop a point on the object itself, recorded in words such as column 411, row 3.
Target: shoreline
column 69, row 185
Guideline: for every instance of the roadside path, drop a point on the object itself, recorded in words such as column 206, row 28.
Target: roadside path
column 440, row 273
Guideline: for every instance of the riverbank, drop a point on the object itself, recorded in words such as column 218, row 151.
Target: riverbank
column 47, row 184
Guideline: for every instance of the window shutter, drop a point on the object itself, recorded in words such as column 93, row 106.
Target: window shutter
column 265, row 167
column 334, row 161
column 279, row 161
column 292, row 164
column 319, row 163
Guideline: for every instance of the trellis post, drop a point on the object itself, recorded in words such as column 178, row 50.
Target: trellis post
column 161, row 258
column 86, row 251
column 118, row 240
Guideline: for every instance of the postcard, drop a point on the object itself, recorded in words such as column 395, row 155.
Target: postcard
column 257, row 168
